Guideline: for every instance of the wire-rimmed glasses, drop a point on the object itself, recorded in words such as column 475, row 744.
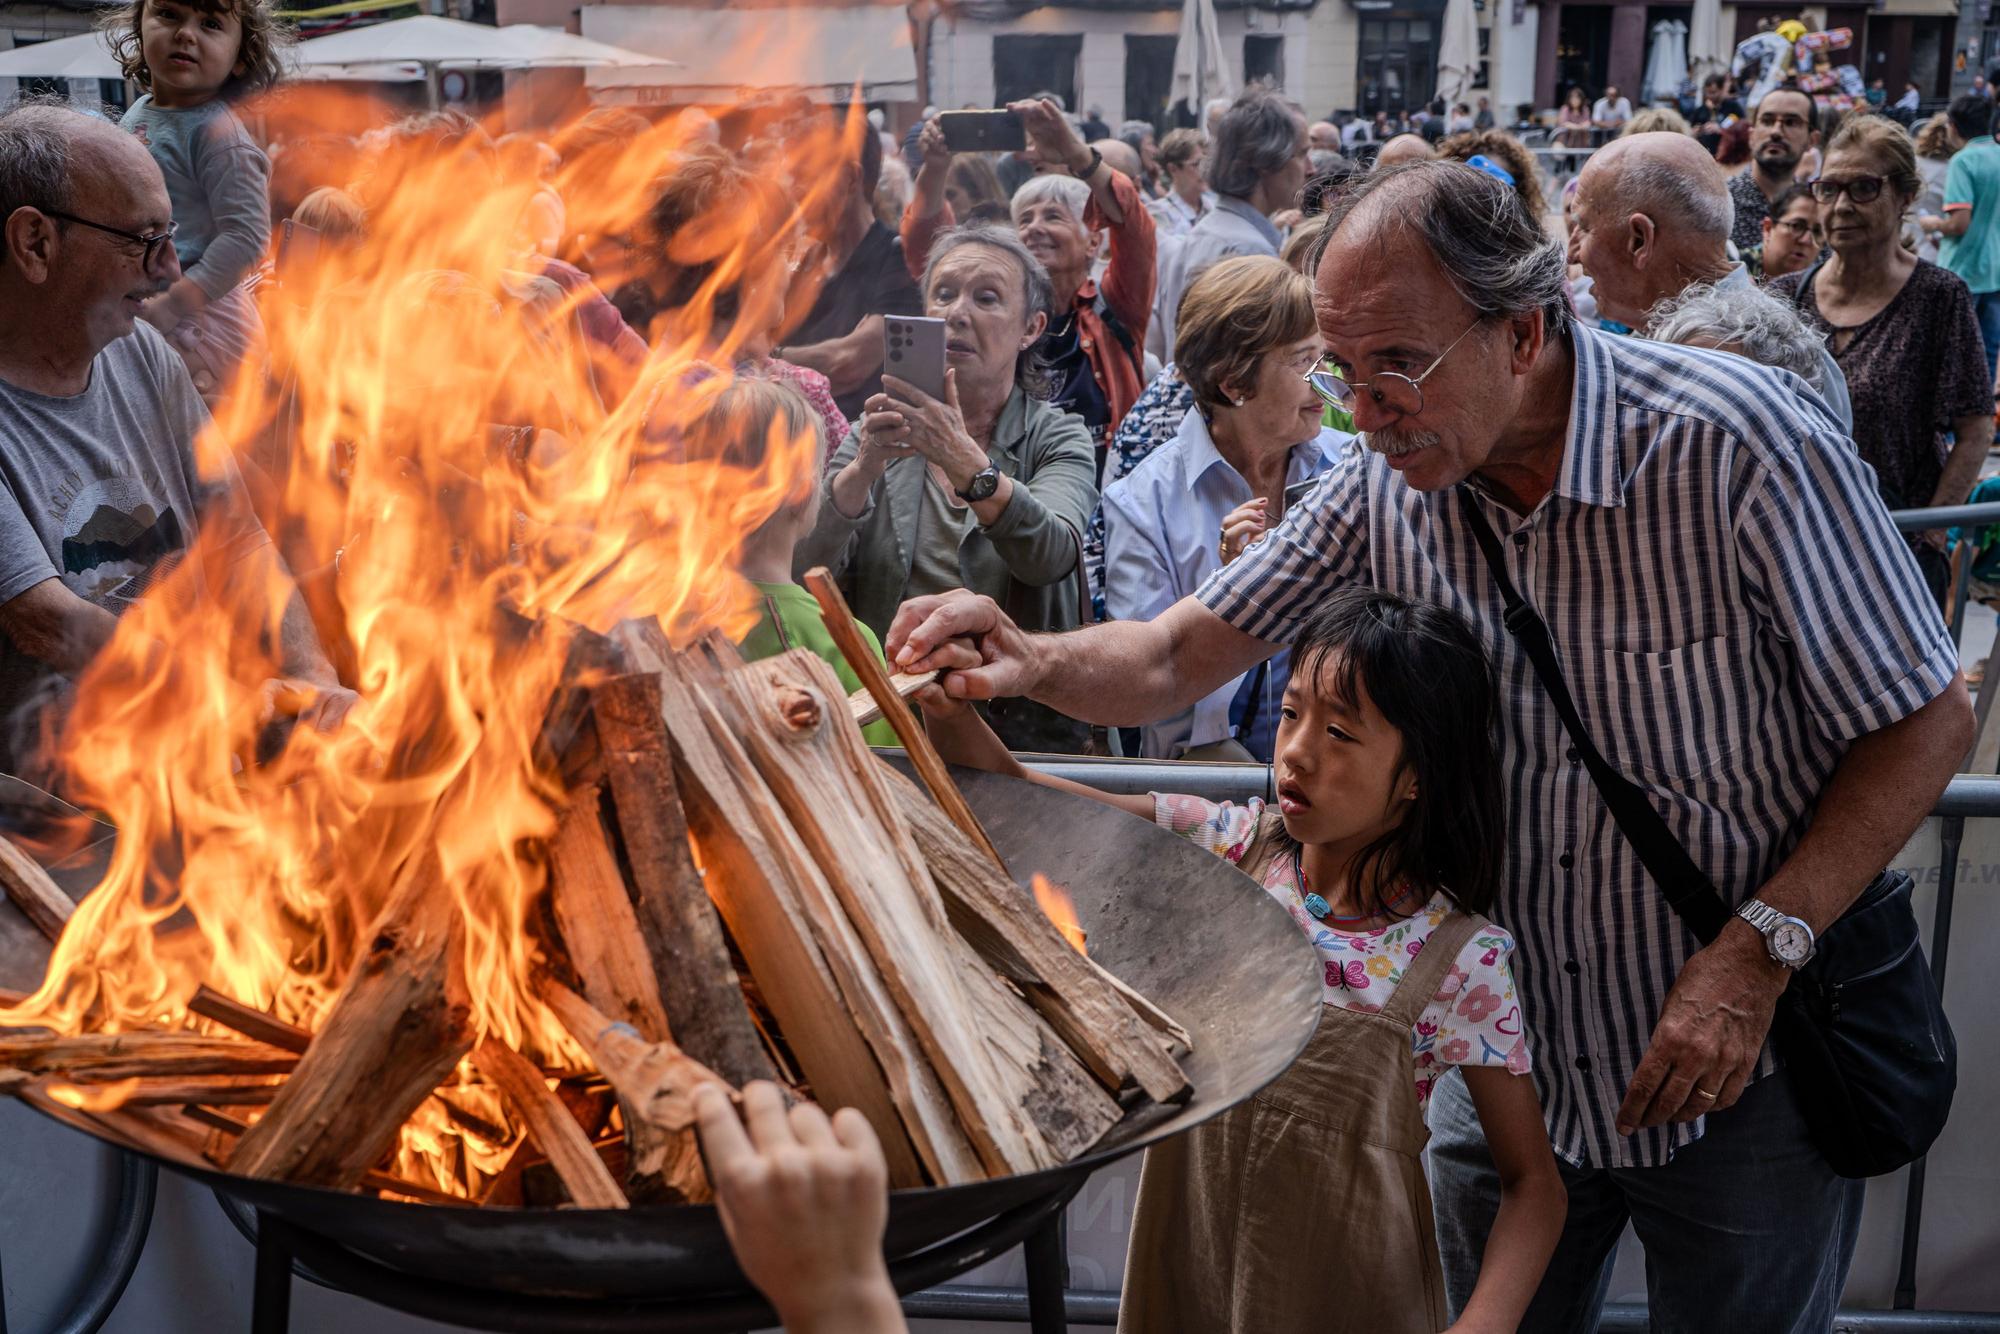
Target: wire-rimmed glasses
column 1397, row 393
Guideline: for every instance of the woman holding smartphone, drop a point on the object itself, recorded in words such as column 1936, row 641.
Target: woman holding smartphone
column 1095, row 343
column 987, row 487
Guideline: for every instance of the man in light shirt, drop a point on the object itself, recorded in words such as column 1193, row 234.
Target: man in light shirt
column 1612, row 110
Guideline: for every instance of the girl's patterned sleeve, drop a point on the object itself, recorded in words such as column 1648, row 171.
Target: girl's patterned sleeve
column 1223, row 829
column 1477, row 1011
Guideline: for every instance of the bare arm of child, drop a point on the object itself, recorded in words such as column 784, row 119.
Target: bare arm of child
column 1532, row 1200
column 962, row 737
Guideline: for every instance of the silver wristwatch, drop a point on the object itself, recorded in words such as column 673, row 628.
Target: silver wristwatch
column 1789, row 940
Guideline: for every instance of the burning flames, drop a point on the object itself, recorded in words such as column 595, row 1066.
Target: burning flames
column 441, row 551
column 1060, row 908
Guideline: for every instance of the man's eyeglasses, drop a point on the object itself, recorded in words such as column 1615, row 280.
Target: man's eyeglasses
column 1776, row 122
column 1861, row 189
column 150, row 242
column 1398, row 393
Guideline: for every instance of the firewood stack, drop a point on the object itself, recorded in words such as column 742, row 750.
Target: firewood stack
column 737, row 889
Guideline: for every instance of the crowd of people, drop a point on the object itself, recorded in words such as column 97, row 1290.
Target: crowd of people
column 1241, row 432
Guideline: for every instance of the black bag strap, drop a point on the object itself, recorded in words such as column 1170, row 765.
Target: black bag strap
column 1690, row 893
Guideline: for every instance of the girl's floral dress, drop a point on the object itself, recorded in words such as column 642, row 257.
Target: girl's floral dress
column 1475, row 1019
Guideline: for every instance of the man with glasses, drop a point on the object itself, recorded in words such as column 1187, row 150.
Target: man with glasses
column 1651, row 220
column 1782, row 127
column 1970, row 227
column 1672, row 514
column 99, row 492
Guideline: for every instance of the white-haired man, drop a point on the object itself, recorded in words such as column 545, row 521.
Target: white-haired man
column 1652, row 217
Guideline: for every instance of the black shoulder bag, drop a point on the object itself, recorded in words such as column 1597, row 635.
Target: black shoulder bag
column 1861, row 1028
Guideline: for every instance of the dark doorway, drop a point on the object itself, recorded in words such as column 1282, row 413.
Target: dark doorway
column 1024, row 66
column 1264, row 59
column 1149, row 78
column 1583, row 50
column 1398, row 63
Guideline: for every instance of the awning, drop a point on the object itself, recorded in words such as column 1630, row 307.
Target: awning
column 83, row 56
column 723, row 53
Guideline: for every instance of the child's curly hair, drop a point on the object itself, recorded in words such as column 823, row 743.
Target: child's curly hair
column 266, row 38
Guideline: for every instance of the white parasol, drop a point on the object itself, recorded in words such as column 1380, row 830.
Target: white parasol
column 1201, row 67
column 1458, row 52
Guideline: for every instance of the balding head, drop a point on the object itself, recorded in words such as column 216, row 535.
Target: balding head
column 78, row 286
column 1323, row 134
column 1405, row 148
column 1120, row 155
column 1653, row 214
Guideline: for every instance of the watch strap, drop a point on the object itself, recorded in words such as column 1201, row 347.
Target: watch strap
column 990, row 470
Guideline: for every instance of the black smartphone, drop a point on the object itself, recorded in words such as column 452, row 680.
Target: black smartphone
column 982, row 131
column 913, row 350
column 1298, row 491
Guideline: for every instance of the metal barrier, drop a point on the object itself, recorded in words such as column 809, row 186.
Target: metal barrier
column 1968, row 796
column 1951, row 516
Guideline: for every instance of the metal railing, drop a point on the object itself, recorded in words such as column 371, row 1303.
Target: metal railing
column 1952, row 516
column 1968, row 796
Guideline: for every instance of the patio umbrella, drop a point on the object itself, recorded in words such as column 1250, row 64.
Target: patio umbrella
column 1458, row 51
column 84, row 56
column 1201, row 68
column 1706, row 53
column 434, row 44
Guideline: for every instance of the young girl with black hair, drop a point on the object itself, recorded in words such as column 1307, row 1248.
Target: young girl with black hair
column 1305, row 1209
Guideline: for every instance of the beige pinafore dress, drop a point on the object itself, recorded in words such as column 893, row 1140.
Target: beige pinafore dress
column 1303, row 1210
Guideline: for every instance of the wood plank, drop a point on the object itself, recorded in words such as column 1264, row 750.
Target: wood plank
column 141, row 1053
column 861, row 703
column 250, row 1022
column 549, row 1125
column 383, row 1182
column 38, row 897
column 851, row 1044
column 216, row 1090
column 831, row 788
column 599, row 928
column 875, row 678
column 683, row 935
column 655, row 1082
column 1003, row 924
column 396, row 1028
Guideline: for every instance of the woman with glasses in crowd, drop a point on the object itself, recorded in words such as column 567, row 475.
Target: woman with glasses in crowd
column 1247, row 341
column 1792, row 237
column 1901, row 328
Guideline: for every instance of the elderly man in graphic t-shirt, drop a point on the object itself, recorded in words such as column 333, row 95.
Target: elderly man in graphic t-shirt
column 99, row 493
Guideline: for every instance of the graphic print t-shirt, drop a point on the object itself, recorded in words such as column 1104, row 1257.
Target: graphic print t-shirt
column 98, row 490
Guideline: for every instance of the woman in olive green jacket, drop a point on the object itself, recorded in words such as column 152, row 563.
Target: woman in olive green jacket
column 987, row 489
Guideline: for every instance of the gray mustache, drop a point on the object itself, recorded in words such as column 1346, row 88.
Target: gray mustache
column 1394, row 444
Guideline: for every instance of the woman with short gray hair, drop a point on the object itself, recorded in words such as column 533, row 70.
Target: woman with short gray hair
column 1744, row 320
column 988, row 488
column 1256, row 166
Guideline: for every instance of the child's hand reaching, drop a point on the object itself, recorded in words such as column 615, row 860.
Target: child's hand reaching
column 804, row 1200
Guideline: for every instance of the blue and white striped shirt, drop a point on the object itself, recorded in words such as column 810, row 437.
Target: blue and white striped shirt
column 1731, row 607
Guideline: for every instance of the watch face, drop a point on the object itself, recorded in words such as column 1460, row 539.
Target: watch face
column 1791, row 942
column 983, row 485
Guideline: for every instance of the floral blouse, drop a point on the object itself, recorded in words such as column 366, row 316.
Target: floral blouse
column 1475, row 1018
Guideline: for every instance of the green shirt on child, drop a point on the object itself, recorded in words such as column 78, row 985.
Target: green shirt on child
column 792, row 619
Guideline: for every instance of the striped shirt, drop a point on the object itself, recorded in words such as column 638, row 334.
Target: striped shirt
column 1731, row 608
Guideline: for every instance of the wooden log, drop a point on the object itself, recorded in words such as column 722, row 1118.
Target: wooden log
column 861, row 703
column 831, row 789
column 251, row 1023
column 141, row 1053
column 599, row 928
column 216, row 1090
column 38, row 897
column 875, row 678
column 1000, row 922
column 396, row 1028
column 655, row 1083
column 682, row 933
column 549, row 1125
column 851, row 1044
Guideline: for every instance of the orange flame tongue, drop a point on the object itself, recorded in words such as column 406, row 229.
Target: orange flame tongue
column 440, row 465
column 1058, row 907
